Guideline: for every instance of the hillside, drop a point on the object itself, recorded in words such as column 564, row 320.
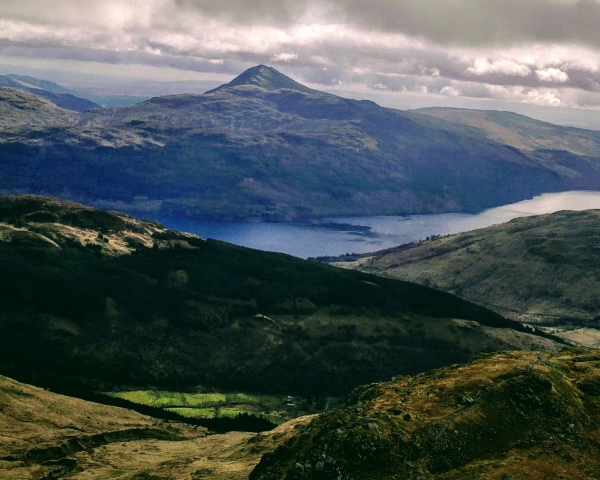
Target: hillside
column 523, row 133
column 59, row 96
column 542, row 269
column 265, row 148
column 507, row 415
column 91, row 299
column 45, row 435
column 23, row 114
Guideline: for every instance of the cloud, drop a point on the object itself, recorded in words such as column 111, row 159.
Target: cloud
column 451, row 91
column 284, row 57
column 481, row 22
column 552, row 75
column 445, row 47
column 483, row 66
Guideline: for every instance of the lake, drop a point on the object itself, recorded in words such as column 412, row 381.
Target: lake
column 339, row 235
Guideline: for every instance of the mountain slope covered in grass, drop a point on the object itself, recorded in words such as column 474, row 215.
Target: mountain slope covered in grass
column 92, row 299
column 49, row 91
column 542, row 270
column 266, row 148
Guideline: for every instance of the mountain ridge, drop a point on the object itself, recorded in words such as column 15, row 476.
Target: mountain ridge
column 285, row 153
column 54, row 93
column 521, row 131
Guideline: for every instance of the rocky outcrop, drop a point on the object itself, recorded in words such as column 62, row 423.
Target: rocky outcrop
column 44, row 221
column 508, row 415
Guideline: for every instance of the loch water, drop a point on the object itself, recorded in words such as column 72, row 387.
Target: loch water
column 339, row 235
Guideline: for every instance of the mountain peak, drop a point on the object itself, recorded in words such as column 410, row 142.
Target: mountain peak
column 264, row 77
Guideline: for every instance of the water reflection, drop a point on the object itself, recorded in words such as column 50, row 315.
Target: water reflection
column 341, row 235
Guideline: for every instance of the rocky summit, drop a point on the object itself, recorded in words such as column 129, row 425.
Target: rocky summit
column 504, row 416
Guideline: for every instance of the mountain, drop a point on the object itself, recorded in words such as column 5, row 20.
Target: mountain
column 265, row 148
column 95, row 299
column 46, row 435
column 27, row 117
column 50, row 91
column 542, row 270
column 507, row 415
column 265, row 78
column 523, row 133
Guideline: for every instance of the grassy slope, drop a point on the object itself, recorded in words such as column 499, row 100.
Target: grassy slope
column 44, row 435
column 542, row 268
column 23, row 111
column 522, row 132
column 508, row 415
column 50, row 91
column 194, row 312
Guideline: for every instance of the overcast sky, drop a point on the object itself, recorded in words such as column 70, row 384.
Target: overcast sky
column 534, row 52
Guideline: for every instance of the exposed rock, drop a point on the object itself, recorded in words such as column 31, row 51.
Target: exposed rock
column 44, row 221
column 522, row 414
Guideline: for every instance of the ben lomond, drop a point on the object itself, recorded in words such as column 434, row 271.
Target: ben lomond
column 265, row 148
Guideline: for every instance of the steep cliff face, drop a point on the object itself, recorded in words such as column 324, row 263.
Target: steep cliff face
column 507, row 415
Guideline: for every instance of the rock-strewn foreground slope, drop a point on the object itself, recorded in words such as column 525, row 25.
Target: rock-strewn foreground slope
column 90, row 297
column 508, row 415
column 543, row 269
column 264, row 147
column 48, row 436
column 520, row 415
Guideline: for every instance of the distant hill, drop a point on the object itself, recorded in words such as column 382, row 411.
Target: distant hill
column 265, row 148
column 526, row 134
column 507, row 415
column 94, row 299
column 26, row 116
column 543, row 269
column 50, row 91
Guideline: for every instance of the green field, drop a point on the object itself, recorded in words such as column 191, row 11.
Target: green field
column 163, row 399
column 276, row 408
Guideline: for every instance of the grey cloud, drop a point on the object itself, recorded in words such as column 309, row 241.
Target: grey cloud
column 121, row 58
column 153, row 13
column 445, row 22
column 249, row 11
column 399, row 45
column 481, row 22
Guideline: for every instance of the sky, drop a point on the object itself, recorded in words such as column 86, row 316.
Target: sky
column 522, row 54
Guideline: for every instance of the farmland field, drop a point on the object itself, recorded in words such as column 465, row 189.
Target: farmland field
column 276, row 408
